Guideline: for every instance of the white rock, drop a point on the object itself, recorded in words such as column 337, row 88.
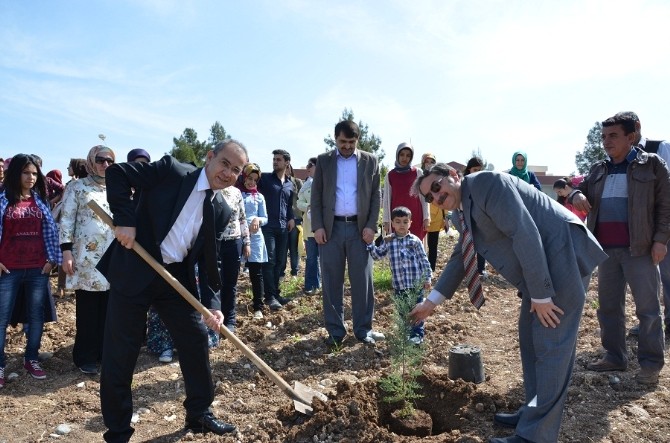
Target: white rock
column 170, row 418
column 50, row 435
column 12, row 376
column 326, row 382
column 251, row 386
column 216, row 402
column 63, row 429
column 143, row 411
column 81, row 385
column 247, row 366
column 135, row 418
column 268, row 324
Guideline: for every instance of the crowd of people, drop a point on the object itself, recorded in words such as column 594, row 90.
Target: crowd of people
column 205, row 225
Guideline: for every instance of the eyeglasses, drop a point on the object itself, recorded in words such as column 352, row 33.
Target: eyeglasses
column 434, row 187
column 101, row 160
column 309, row 165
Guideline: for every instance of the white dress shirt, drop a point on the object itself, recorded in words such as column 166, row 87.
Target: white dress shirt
column 184, row 231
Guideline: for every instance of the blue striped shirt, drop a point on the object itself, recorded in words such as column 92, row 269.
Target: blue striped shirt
column 409, row 262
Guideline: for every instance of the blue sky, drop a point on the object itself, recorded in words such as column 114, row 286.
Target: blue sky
column 451, row 76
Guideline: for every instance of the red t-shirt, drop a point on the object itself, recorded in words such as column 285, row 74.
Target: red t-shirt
column 22, row 244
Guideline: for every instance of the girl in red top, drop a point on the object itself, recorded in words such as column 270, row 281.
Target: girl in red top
column 396, row 192
column 28, row 252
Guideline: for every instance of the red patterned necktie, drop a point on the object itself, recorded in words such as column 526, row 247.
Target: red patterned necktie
column 470, row 262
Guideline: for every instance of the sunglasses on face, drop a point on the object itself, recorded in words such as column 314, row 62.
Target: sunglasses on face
column 434, row 187
column 101, row 160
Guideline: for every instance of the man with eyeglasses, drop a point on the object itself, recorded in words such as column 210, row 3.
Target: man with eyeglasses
column 179, row 221
column 542, row 249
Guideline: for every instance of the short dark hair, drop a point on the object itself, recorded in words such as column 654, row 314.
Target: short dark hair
column 284, row 153
column 348, row 128
column 311, row 161
column 625, row 119
column 627, row 114
column 401, row 211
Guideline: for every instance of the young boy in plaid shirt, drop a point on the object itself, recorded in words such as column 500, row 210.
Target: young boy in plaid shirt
column 409, row 262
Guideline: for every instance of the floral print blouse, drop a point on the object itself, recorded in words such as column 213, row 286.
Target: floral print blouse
column 89, row 235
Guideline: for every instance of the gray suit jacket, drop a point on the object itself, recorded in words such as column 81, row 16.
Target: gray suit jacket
column 529, row 238
column 324, row 186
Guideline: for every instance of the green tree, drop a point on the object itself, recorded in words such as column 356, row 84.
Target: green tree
column 593, row 150
column 366, row 142
column 187, row 148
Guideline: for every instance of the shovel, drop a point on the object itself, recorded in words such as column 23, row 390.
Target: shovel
column 300, row 394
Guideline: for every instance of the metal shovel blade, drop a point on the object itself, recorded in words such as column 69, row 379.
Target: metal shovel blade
column 306, row 392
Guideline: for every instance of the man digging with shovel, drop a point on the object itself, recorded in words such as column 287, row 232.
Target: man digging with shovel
column 179, row 220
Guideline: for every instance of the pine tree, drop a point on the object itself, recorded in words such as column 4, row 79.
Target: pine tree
column 593, row 150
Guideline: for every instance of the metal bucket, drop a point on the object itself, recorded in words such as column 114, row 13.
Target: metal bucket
column 465, row 362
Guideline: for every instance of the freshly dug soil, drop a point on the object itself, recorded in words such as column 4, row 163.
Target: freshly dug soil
column 601, row 407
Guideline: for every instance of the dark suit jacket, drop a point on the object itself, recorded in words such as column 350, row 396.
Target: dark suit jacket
column 166, row 185
column 324, row 187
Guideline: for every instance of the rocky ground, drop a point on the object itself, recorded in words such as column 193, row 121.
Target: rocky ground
column 600, row 407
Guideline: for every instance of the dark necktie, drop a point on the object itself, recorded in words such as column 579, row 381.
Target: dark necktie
column 472, row 278
column 213, row 278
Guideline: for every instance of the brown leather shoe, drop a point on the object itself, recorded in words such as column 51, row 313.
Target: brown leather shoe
column 647, row 376
column 603, row 365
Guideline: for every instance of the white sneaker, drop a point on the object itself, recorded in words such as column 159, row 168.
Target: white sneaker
column 416, row 340
column 258, row 315
column 376, row 336
column 166, row 356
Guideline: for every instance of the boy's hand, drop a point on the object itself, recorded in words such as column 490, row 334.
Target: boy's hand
column 388, row 238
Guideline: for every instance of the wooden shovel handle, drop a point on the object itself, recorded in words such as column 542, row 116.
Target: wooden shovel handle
column 255, row 359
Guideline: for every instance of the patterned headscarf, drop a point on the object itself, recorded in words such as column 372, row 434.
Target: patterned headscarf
column 249, row 168
column 97, row 151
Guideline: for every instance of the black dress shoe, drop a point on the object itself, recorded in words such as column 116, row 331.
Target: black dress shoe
column 207, row 423
column 507, row 420
column 512, row 439
column 282, row 300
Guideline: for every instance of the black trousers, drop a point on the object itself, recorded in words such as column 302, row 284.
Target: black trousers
column 229, row 254
column 126, row 320
column 91, row 310
column 433, row 240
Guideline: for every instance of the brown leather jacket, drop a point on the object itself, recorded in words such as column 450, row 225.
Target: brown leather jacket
column 648, row 200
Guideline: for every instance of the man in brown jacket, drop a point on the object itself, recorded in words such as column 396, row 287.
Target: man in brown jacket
column 628, row 196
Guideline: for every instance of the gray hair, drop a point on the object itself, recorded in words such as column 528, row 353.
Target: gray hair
column 440, row 169
column 230, row 141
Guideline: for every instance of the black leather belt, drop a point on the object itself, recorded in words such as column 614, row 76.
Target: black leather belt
column 346, row 218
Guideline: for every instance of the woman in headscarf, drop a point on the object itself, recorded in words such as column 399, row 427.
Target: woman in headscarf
column 257, row 216
column 84, row 238
column 398, row 182
column 28, row 253
column 520, row 169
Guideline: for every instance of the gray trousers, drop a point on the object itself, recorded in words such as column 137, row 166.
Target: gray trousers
column 643, row 279
column 345, row 246
column 547, row 359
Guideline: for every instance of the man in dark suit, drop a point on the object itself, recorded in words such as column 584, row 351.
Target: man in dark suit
column 345, row 206
column 179, row 220
column 542, row 249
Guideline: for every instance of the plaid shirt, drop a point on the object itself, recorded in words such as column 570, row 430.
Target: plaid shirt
column 409, row 261
column 49, row 227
